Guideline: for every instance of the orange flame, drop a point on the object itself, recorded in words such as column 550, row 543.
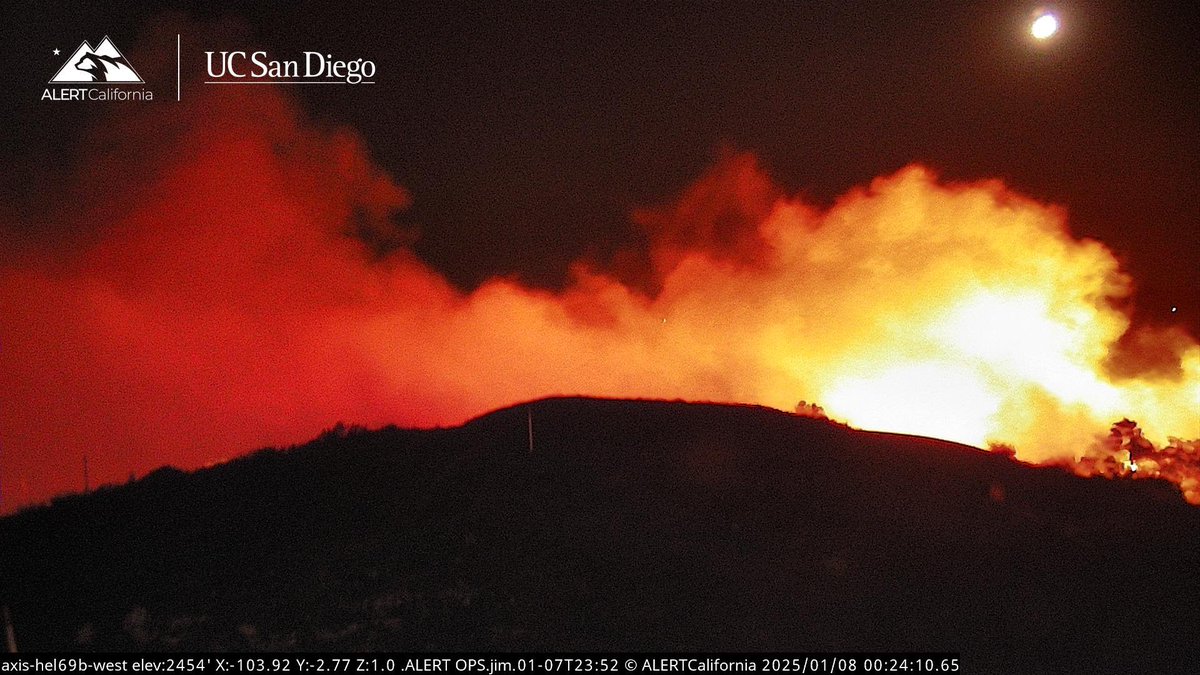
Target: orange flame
column 228, row 308
column 962, row 312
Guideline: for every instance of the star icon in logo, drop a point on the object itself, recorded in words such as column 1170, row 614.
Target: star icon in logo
column 56, row 51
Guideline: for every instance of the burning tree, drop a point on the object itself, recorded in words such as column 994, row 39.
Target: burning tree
column 806, row 409
column 1127, row 452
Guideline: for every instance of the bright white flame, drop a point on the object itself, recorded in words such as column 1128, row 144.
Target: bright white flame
column 1044, row 26
column 1021, row 333
column 914, row 398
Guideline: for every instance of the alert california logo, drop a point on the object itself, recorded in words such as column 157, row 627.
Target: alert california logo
column 100, row 73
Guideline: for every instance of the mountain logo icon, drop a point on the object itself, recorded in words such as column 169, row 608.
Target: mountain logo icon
column 104, row 64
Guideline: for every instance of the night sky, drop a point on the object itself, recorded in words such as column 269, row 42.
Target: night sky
column 527, row 132
column 573, row 198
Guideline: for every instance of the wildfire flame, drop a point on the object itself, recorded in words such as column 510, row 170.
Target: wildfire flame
column 957, row 311
column 227, row 308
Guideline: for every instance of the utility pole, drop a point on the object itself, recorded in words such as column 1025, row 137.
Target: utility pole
column 9, row 639
column 87, row 487
column 529, row 419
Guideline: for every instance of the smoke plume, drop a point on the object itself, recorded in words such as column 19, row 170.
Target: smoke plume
column 207, row 282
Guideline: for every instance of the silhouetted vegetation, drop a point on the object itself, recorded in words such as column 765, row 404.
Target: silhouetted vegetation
column 634, row 525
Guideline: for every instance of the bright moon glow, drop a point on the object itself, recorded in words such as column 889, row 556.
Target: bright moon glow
column 1044, row 26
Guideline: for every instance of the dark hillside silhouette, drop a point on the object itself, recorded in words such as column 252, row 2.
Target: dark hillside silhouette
column 634, row 526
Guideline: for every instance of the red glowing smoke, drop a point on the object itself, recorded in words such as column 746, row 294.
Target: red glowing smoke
column 207, row 292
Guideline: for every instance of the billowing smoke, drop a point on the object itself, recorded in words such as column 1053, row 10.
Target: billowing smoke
column 201, row 287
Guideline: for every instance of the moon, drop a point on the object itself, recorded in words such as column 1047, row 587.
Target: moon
column 1044, row 26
